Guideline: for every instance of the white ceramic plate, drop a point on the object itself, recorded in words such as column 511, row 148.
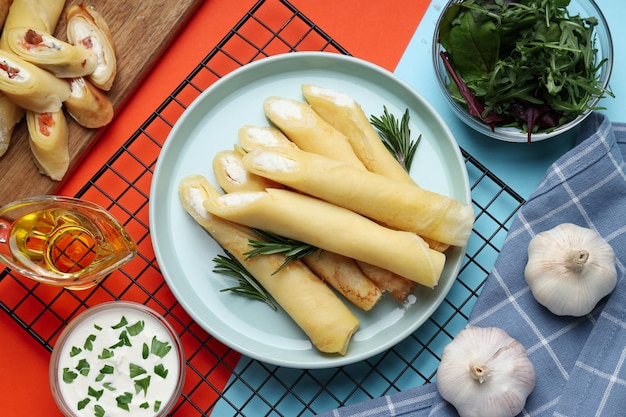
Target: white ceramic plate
column 185, row 251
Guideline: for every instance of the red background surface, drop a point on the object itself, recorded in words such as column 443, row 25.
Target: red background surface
column 376, row 31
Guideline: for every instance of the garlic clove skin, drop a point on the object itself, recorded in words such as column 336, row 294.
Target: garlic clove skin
column 484, row 372
column 570, row 269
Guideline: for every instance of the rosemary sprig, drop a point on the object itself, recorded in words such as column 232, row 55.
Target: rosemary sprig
column 272, row 243
column 248, row 286
column 396, row 135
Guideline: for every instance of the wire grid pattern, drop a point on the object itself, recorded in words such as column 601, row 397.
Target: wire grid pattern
column 218, row 379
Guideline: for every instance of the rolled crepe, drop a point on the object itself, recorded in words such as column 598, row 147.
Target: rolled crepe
column 396, row 204
column 308, row 130
column 29, row 86
column 347, row 116
column 36, row 14
column 251, row 137
column 327, row 322
column 88, row 105
column 86, row 27
column 399, row 287
column 332, row 228
column 340, row 272
column 49, row 142
column 232, row 176
column 10, row 115
column 44, row 50
column 345, row 276
column 4, row 10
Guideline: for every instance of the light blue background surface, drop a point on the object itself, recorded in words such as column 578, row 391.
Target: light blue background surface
column 520, row 165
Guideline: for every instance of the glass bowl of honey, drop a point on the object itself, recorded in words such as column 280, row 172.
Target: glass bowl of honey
column 62, row 241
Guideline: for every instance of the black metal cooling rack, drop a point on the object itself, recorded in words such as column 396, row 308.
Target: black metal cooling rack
column 219, row 380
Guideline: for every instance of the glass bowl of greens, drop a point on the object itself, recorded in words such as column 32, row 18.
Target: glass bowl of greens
column 523, row 70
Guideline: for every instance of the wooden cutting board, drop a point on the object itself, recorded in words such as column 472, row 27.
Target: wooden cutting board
column 141, row 30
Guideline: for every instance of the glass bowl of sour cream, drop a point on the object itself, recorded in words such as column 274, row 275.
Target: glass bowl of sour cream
column 118, row 358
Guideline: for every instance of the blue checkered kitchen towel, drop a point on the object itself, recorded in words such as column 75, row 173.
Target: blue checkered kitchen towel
column 580, row 362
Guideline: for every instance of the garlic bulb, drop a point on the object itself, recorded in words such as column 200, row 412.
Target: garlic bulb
column 570, row 268
column 484, row 372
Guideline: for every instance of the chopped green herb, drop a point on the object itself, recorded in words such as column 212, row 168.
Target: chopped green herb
column 396, row 135
column 75, row 351
column 94, row 392
column 109, row 386
column 161, row 371
column 83, row 403
column 89, row 342
column 95, row 326
column 83, row 367
column 123, row 400
column 99, row 411
column 159, row 348
column 69, row 376
column 135, row 370
column 123, row 322
column 106, row 354
column 106, row 370
column 145, row 351
column 136, row 328
column 145, row 405
column 142, row 385
column 157, row 406
column 123, row 341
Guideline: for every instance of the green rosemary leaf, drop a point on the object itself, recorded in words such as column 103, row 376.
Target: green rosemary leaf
column 273, row 243
column 247, row 284
column 396, row 135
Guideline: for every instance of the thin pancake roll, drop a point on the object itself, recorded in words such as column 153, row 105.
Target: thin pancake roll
column 48, row 138
column 87, row 28
column 347, row 116
column 308, row 130
column 317, row 310
column 44, row 50
column 10, row 115
column 396, row 204
column 29, row 86
column 340, row 272
column 35, row 14
column 87, row 104
column 333, row 228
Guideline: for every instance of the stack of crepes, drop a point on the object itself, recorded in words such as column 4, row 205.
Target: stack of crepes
column 579, row 360
column 321, row 175
column 41, row 75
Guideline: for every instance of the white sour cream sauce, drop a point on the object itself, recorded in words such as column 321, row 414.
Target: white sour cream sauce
column 119, row 382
